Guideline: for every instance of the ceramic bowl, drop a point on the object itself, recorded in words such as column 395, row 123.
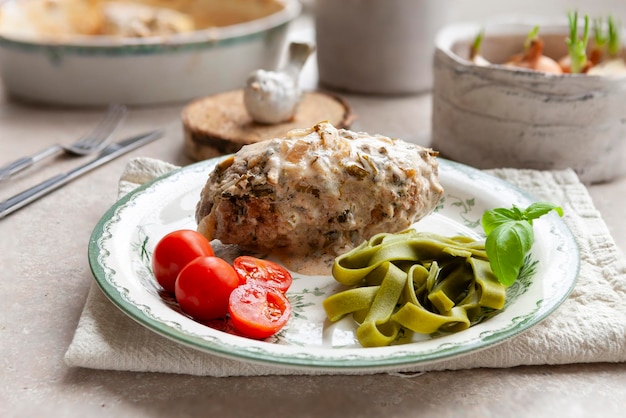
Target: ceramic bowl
column 494, row 116
column 97, row 70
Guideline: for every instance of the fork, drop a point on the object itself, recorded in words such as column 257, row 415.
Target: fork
column 89, row 143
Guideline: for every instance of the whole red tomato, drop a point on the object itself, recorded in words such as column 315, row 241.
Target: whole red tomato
column 263, row 272
column 174, row 251
column 204, row 286
column 258, row 311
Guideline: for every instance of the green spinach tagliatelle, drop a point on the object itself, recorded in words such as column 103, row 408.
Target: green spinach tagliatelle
column 413, row 282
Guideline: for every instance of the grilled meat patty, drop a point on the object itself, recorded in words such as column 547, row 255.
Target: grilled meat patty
column 319, row 190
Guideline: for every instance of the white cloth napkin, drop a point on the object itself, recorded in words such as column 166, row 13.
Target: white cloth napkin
column 590, row 326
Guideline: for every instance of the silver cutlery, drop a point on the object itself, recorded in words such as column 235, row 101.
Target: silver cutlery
column 109, row 153
column 89, row 143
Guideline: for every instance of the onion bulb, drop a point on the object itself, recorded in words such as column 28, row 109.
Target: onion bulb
column 532, row 58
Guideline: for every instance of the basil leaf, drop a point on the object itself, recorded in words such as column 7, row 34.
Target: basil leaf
column 518, row 213
column 506, row 247
column 538, row 209
column 510, row 237
column 493, row 218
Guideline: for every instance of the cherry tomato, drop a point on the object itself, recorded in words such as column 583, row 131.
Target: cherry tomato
column 204, row 286
column 174, row 251
column 258, row 311
column 263, row 272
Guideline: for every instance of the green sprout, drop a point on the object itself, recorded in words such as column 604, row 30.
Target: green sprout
column 577, row 47
column 532, row 36
column 477, row 43
column 599, row 38
column 614, row 47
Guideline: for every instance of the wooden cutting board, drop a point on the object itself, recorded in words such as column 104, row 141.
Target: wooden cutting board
column 219, row 124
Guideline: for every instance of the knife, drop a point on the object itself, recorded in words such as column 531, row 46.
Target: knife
column 108, row 154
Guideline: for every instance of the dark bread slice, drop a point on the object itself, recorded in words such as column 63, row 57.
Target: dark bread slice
column 219, row 124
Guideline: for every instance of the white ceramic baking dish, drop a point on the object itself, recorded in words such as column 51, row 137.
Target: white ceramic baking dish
column 97, row 70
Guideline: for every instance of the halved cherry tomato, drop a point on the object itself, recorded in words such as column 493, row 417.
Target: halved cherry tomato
column 263, row 272
column 174, row 251
column 204, row 286
column 258, row 311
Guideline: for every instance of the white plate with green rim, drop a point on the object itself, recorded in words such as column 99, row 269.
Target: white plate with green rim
column 121, row 246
